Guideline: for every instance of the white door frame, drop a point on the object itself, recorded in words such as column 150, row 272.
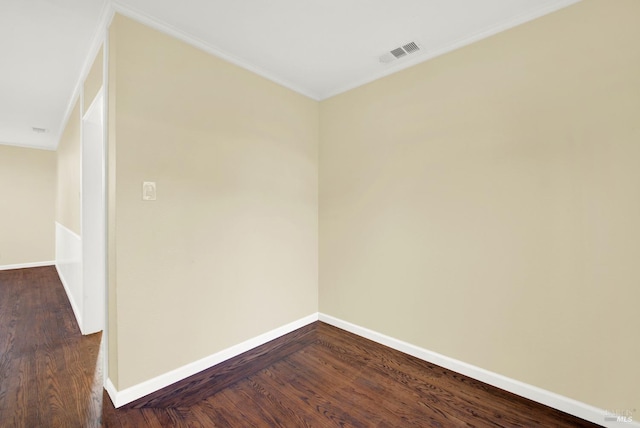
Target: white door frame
column 93, row 217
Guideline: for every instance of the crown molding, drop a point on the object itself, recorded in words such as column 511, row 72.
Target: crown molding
column 28, row 146
column 113, row 6
column 172, row 31
column 462, row 42
column 106, row 15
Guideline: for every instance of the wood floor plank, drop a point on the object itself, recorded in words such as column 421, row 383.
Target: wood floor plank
column 193, row 418
column 362, row 392
column 109, row 416
column 241, row 400
column 325, row 406
column 46, row 367
column 383, row 378
column 217, row 408
column 254, row 393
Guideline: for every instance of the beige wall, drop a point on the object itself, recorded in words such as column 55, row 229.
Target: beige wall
column 69, row 180
column 93, row 81
column 485, row 205
column 229, row 249
column 27, row 192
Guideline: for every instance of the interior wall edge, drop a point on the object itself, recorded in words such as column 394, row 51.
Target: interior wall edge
column 133, row 393
column 539, row 395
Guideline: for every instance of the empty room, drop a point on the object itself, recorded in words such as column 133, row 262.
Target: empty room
column 336, row 213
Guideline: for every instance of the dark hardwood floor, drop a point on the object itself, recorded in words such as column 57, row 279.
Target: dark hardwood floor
column 49, row 372
column 317, row 376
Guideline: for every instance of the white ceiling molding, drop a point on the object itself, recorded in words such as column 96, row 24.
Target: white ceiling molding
column 30, row 146
column 318, row 48
column 98, row 39
column 453, row 45
column 316, row 93
column 172, row 31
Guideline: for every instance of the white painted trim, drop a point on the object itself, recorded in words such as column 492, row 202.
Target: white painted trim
column 27, row 265
column 111, row 390
column 69, row 266
column 551, row 399
column 172, row 31
column 105, row 190
column 464, row 41
column 28, row 146
column 106, row 15
column 120, row 398
column 93, row 215
column 69, row 231
column 72, row 301
column 111, row 7
column 94, row 104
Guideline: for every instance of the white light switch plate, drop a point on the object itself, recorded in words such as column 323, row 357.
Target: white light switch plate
column 148, row 190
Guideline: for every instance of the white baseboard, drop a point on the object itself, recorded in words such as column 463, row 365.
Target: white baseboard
column 556, row 401
column 127, row 395
column 72, row 302
column 27, row 265
column 551, row 399
column 69, row 267
column 111, row 390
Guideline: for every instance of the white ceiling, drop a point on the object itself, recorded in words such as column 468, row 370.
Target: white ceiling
column 43, row 45
column 316, row 47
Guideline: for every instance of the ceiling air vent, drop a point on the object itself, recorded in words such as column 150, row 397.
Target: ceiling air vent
column 400, row 52
column 411, row 47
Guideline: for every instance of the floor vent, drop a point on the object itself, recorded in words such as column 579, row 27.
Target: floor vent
column 400, row 52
